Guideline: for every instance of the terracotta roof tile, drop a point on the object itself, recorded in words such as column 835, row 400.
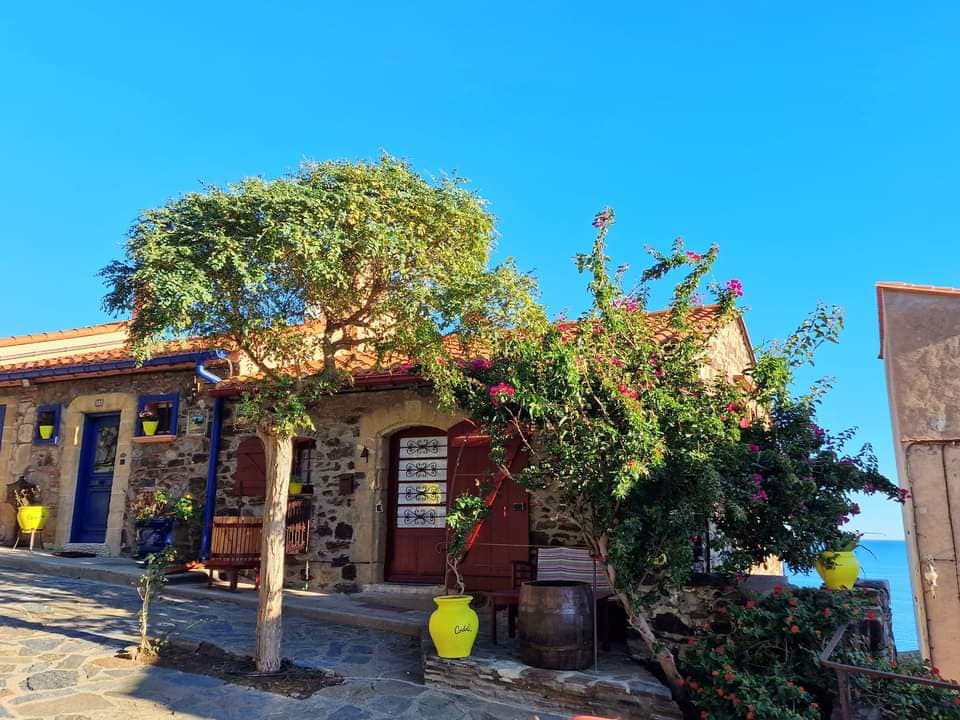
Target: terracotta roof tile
column 111, row 355
column 54, row 335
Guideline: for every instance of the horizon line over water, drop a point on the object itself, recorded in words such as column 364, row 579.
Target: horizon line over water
column 883, row 560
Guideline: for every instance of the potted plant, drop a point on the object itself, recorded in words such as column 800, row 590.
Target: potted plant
column 453, row 625
column 31, row 515
column 149, row 420
column 837, row 564
column 296, row 485
column 45, row 424
column 157, row 514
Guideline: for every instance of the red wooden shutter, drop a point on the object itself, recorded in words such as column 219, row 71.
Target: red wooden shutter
column 250, row 477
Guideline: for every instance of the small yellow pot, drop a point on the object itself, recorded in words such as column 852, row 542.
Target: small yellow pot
column 844, row 573
column 453, row 626
column 295, row 488
column 150, row 426
column 32, row 517
column 46, row 431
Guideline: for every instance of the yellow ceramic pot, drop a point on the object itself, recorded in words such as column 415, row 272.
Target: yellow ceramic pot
column 150, row 426
column 295, row 487
column 46, row 431
column 453, row 626
column 32, row 517
column 844, row 573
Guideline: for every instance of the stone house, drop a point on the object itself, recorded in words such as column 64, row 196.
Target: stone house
column 375, row 470
column 920, row 348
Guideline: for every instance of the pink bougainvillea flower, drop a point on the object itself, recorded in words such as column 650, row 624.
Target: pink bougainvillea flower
column 847, row 461
column 735, row 288
column 842, row 519
column 603, row 219
column 480, row 363
column 658, row 373
column 869, row 488
column 627, row 303
column 817, row 431
column 903, row 495
column 754, row 448
column 627, row 392
column 694, row 256
column 757, row 478
column 760, row 496
column 404, row 367
column 733, row 407
column 745, row 423
column 697, row 299
column 501, row 392
column 854, row 509
column 616, row 362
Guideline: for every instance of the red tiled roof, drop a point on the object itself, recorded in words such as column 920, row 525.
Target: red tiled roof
column 54, row 335
column 172, row 347
column 396, row 369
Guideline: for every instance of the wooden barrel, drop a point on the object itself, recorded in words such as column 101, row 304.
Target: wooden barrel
column 555, row 624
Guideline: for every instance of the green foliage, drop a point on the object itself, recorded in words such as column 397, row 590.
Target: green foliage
column 295, row 270
column 760, row 659
column 465, row 513
column 801, row 477
column 149, row 586
column 898, row 699
column 648, row 444
column 160, row 504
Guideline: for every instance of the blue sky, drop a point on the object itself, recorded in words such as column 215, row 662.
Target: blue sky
column 818, row 146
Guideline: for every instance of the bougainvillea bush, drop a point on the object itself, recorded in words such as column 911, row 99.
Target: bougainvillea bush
column 759, row 659
column 647, row 446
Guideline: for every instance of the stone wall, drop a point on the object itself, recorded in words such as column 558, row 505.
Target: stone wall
column 178, row 466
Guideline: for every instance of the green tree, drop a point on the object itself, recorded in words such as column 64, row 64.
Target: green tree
column 647, row 446
column 297, row 272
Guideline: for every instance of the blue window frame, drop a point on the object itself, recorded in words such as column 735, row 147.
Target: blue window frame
column 48, row 416
column 167, row 410
column 3, row 417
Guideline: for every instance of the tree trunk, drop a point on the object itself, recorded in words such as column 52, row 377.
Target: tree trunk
column 278, row 450
column 661, row 652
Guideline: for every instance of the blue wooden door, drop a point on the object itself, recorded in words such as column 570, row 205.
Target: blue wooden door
column 95, row 480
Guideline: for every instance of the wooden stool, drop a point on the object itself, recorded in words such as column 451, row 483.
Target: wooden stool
column 34, row 534
column 500, row 599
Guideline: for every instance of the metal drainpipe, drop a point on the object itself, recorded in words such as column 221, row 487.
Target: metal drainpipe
column 210, row 498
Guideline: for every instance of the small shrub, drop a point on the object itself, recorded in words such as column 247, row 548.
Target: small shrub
column 897, row 700
column 149, row 587
column 760, row 660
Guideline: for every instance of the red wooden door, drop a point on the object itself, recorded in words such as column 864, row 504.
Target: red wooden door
column 505, row 533
column 417, row 508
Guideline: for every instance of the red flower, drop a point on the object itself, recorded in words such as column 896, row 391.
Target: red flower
column 745, row 423
column 778, row 590
column 733, row 407
column 871, row 615
column 603, row 219
column 721, row 650
column 827, row 612
column 729, row 677
column 792, row 602
column 627, row 392
column 501, row 392
column 794, row 629
column 693, row 256
column 751, row 604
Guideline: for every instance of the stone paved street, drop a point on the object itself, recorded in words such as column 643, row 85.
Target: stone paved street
column 58, row 638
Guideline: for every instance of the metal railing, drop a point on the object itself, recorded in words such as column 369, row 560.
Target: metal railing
column 844, row 671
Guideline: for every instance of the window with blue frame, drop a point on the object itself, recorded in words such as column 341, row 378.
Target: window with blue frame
column 47, row 429
column 157, row 414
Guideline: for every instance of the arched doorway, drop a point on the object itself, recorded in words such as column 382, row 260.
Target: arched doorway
column 429, row 468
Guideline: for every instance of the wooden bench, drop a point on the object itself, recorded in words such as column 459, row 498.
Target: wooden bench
column 234, row 546
column 235, row 540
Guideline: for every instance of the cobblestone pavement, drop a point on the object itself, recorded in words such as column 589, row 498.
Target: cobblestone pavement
column 58, row 638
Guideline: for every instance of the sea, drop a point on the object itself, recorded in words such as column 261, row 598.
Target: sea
column 883, row 560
